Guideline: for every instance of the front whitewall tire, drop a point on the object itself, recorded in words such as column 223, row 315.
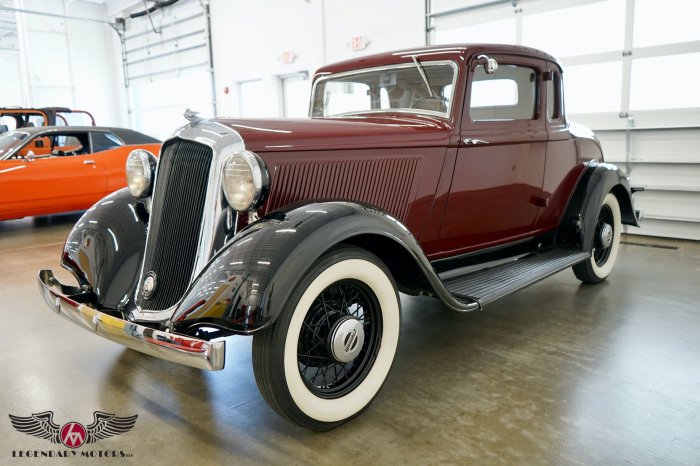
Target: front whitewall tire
column 338, row 409
column 347, row 292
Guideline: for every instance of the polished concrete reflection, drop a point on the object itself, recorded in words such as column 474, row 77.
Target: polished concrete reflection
column 559, row 373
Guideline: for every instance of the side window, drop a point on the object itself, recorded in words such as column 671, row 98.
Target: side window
column 68, row 144
column 104, row 141
column 508, row 94
column 447, row 92
column 7, row 123
column 35, row 120
column 554, row 93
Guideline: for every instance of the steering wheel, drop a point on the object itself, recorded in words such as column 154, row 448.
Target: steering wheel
column 438, row 103
column 427, row 97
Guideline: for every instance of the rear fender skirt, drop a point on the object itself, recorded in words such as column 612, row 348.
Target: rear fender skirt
column 105, row 248
column 581, row 216
column 245, row 286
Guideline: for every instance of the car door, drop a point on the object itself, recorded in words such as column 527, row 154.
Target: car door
column 66, row 179
column 496, row 189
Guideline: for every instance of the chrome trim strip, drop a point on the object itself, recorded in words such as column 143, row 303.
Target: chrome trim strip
column 172, row 347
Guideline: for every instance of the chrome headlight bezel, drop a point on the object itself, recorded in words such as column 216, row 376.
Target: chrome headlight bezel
column 140, row 163
column 257, row 188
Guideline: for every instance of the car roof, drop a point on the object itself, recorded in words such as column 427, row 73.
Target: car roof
column 430, row 52
column 129, row 136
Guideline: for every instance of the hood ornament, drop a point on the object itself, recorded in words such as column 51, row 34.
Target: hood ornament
column 192, row 116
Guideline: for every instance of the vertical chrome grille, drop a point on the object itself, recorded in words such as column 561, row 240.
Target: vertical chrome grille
column 176, row 219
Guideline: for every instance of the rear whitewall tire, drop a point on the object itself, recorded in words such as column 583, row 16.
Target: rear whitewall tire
column 592, row 270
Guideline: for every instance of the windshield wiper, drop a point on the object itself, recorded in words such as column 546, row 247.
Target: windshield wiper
column 422, row 75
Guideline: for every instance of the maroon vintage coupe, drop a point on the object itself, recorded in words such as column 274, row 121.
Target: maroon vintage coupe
column 448, row 171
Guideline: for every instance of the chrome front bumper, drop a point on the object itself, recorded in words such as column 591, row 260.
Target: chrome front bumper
column 181, row 349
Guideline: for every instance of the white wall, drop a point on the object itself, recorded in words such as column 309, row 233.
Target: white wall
column 11, row 83
column 97, row 74
column 249, row 37
column 69, row 63
column 167, row 66
column 389, row 25
column 78, row 64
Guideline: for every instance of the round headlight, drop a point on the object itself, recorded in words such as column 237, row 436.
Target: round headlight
column 139, row 172
column 244, row 181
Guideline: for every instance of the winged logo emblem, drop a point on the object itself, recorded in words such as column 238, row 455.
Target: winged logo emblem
column 73, row 434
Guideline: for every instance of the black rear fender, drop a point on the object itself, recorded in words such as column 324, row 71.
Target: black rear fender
column 581, row 215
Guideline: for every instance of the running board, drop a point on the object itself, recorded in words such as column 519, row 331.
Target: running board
column 487, row 285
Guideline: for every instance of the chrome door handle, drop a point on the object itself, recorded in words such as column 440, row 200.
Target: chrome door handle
column 473, row 142
column 88, row 162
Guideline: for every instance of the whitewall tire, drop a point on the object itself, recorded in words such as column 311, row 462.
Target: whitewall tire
column 331, row 349
column 606, row 243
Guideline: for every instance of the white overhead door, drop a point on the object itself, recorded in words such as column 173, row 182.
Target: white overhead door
column 167, row 67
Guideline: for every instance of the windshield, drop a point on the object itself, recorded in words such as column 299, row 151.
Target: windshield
column 10, row 141
column 424, row 87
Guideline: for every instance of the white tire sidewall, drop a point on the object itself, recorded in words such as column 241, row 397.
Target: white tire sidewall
column 604, row 270
column 338, row 409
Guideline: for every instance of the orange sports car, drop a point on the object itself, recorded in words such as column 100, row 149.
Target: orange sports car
column 52, row 169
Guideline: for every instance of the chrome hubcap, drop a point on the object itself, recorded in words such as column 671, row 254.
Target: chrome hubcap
column 346, row 339
column 606, row 235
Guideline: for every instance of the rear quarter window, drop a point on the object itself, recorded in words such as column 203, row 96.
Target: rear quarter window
column 103, row 141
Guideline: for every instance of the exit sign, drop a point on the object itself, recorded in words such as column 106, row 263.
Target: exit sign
column 288, row 57
column 359, row 42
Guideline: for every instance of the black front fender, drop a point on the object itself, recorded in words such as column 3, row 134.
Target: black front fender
column 104, row 250
column 245, row 286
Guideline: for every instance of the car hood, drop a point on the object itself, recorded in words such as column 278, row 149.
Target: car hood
column 275, row 135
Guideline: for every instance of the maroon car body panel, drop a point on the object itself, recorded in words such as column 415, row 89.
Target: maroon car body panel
column 359, row 132
column 454, row 197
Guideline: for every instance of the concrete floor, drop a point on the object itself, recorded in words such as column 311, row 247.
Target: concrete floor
column 557, row 374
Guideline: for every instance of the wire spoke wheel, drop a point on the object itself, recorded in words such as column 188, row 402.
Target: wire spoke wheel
column 330, row 350
column 326, row 374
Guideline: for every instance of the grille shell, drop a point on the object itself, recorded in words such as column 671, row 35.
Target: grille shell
column 176, row 221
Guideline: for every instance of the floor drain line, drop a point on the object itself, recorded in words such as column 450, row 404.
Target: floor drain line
column 649, row 245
